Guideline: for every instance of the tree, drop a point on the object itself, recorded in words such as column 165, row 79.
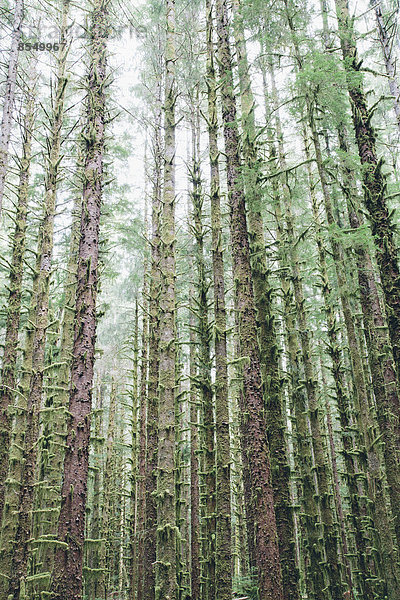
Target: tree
column 67, row 574
column 9, row 96
column 255, row 443
column 166, row 583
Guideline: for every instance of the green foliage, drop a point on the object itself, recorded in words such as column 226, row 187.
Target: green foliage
column 246, row 585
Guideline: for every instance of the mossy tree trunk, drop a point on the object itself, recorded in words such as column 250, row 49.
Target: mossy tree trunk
column 54, row 414
column 8, row 371
column 134, row 394
column 223, row 574
column 149, row 555
column 194, row 464
column 9, row 95
column 381, row 218
column 203, row 376
column 255, row 442
column 107, row 508
column 93, row 570
column 265, row 318
column 141, row 520
column 41, row 309
column 67, row 574
column 313, row 458
column 166, row 539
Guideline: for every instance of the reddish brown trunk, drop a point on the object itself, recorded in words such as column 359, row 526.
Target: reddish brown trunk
column 67, row 582
column 255, row 443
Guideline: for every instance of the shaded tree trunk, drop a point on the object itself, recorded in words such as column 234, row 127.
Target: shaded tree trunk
column 41, row 309
column 143, row 413
column 374, row 199
column 134, row 453
column 9, row 95
column 194, row 465
column 255, row 443
column 265, row 319
column 149, row 550
column 203, row 377
column 386, row 41
column 67, row 575
column 223, row 575
column 8, row 372
column 166, row 535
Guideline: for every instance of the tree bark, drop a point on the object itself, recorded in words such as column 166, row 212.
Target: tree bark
column 203, row 377
column 134, row 453
column 255, row 443
column 142, row 430
column 154, row 341
column 194, row 465
column 67, row 575
column 41, row 309
column 8, row 371
column 223, row 575
column 385, row 39
column 166, row 538
column 269, row 354
column 9, row 96
column 374, row 188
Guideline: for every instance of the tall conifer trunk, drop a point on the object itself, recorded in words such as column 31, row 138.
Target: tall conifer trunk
column 149, row 550
column 265, row 319
column 374, row 187
column 133, row 471
column 143, row 418
column 166, row 546
column 194, row 464
column 203, row 377
column 223, row 576
column 41, row 309
column 255, row 443
column 9, row 96
column 8, row 372
column 67, row 574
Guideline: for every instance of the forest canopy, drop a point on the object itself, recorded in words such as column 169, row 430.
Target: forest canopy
column 199, row 300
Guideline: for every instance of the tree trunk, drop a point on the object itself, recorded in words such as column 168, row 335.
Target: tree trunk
column 93, row 570
column 374, row 188
column 223, row 550
column 203, row 378
column 166, row 582
column 108, row 496
column 255, row 443
column 141, row 523
column 194, row 464
column 265, row 318
column 149, row 557
column 8, row 372
column 386, row 41
column 54, row 414
column 9, row 95
column 134, row 453
column 67, row 575
column 41, row 302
